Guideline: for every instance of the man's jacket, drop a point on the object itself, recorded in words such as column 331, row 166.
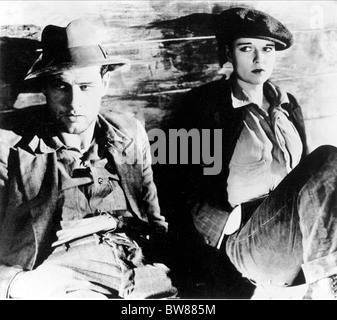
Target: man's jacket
column 210, row 107
column 29, row 184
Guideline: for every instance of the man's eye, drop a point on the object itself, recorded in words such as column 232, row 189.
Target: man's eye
column 58, row 86
column 84, row 87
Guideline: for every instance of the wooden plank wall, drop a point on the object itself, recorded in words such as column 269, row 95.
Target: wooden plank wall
column 171, row 50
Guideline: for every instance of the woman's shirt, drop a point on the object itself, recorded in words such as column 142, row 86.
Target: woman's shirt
column 268, row 148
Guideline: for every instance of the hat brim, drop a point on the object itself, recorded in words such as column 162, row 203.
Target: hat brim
column 37, row 71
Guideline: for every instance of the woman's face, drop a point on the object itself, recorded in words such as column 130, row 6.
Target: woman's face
column 253, row 59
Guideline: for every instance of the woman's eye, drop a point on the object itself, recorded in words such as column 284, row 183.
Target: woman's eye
column 245, row 49
column 268, row 49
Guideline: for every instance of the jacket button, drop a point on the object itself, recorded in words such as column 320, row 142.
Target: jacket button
column 100, row 180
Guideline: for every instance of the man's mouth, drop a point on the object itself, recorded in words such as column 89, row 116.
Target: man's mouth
column 72, row 117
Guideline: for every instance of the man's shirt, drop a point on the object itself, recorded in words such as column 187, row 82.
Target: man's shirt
column 88, row 185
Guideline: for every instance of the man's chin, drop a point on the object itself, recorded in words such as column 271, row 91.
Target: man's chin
column 73, row 129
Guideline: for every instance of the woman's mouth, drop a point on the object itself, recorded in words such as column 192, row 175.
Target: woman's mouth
column 258, row 71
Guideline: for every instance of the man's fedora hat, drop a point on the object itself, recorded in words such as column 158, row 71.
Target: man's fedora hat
column 241, row 22
column 75, row 46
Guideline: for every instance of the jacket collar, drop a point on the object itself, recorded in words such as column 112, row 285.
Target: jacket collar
column 108, row 136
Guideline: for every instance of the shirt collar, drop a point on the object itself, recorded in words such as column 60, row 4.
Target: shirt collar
column 105, row 133
column 274, row 95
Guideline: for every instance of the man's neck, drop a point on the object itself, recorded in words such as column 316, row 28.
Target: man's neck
column 79, row 141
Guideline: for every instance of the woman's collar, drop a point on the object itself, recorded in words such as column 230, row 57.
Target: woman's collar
column 273, row 94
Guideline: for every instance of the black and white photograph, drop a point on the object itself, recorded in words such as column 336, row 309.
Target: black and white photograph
column 172, row 150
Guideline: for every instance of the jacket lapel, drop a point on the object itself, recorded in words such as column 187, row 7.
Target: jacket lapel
column 33, row 168
column 125, row 159
column 124, row 152
column 40, row 184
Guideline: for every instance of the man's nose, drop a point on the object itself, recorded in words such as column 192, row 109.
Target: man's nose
column 76, row 99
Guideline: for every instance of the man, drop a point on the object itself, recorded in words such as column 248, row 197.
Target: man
column 272, row 209
column 77, row 192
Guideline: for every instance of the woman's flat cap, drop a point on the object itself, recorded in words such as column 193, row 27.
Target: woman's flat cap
column 240, row 22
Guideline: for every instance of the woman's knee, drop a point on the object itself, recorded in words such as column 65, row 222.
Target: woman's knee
column 325, row 151
column 324, row 154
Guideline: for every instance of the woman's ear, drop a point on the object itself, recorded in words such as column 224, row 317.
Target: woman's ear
column 228, row 54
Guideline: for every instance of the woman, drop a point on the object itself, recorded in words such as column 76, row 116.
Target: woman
column 281, row 202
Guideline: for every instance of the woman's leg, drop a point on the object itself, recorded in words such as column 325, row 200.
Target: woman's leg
column 295, row 227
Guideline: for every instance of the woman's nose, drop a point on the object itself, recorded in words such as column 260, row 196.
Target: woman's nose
column 258, row 57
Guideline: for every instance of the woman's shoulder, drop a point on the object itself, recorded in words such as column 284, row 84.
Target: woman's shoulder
column 284, row 96
column 211, row 89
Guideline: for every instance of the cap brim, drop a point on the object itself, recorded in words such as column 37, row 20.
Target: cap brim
column 279, row 45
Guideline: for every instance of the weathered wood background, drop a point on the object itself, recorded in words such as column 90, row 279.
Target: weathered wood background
column 171, row 50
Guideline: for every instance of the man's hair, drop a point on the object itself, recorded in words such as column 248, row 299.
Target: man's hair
column 104, row 70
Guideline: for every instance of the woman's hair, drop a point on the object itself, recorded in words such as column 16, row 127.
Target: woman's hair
column 222, row 51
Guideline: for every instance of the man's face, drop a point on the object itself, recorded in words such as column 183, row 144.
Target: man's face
column 253, row 59
column 74, row 98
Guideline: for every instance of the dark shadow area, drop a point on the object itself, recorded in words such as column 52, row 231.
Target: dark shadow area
column 200, row 271
column 17, row 56
column 20, row 120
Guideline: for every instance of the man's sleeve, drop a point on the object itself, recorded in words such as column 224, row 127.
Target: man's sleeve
column 7, row 138
column 150, row 197
column 7, row 274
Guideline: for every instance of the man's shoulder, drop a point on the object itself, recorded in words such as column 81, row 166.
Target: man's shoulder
column 124, row 122
column 8, row 138
column 18, row 123
column 120, row 120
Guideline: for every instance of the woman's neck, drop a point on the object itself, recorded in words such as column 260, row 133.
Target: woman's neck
column 255, row 92
column 79, row 141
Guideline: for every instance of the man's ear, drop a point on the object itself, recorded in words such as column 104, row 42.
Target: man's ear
column 106, row 82
column 228, row 54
